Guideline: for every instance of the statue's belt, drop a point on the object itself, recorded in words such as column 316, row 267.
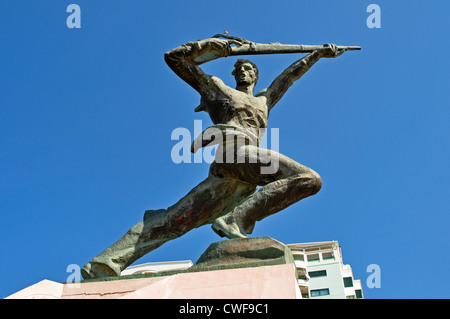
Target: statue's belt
column 222, row 133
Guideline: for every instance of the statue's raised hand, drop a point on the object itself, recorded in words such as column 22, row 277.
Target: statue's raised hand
column 232, row 39
column 330, row 50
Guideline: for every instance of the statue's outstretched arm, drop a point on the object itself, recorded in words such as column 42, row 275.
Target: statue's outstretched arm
column 295, row 71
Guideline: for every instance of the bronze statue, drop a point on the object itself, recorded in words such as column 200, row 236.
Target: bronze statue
column 227, row 198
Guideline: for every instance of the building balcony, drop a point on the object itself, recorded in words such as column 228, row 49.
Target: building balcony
column 303, row 282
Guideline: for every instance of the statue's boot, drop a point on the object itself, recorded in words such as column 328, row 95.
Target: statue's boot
column 227, row 227
column 210, row 199
column 98, row 270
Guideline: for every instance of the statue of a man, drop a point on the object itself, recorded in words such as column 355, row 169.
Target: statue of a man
column 227, row 198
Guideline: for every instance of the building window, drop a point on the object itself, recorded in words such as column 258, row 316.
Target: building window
column 320, row 292
column 299, row 257
column 348, row 282
column 302, row 277
column 318, row 273
column 328, row 256
column 313, row 257
column 358, row 293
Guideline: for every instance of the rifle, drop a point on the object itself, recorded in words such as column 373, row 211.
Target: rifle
column 246, row 47
column 276, row 48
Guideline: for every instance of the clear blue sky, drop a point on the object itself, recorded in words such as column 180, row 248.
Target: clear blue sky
column 87, row 114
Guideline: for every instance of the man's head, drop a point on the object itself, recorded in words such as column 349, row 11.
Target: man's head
column 245, row 72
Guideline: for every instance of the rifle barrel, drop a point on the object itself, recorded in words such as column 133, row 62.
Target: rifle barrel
column 277, row 48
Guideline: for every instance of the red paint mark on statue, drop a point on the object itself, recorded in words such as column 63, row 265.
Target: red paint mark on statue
column 193, row 217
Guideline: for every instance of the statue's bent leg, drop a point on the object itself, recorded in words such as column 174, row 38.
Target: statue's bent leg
column 210, row 199
column 290, row 183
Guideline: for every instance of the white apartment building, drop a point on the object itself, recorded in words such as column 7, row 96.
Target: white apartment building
column 322, row 273
column 155, row 267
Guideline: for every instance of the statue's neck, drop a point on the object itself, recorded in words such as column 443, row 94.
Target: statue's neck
column 247, row 89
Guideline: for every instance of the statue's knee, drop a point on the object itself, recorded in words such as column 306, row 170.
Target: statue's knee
column 316, row 183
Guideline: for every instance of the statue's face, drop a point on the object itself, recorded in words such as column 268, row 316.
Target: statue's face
column 245, row 74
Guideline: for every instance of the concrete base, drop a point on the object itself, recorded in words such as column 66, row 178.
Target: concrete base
column 264, row 282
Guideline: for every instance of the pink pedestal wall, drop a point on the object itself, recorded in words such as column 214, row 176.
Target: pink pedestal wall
column 265, row 282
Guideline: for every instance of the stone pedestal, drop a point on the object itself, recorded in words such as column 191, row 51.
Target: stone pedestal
column 243, row 253
column 249, row 268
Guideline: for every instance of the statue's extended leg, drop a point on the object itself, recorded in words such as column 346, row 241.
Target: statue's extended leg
column 290, row 183
column 207, row 201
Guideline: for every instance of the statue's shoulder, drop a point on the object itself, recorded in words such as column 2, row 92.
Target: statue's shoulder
column 216, row 80
column 216, row 84
column 262, row 92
